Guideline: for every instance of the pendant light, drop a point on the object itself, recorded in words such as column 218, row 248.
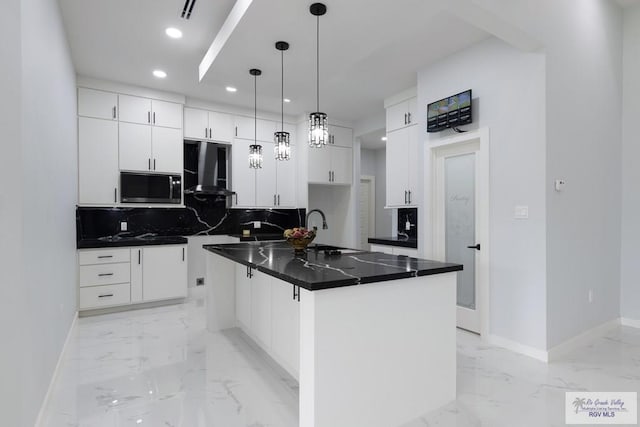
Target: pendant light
column 255, row 149
column 281, row 139
column 318, row 127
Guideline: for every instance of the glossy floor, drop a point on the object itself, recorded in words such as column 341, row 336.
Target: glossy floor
column 159, row 367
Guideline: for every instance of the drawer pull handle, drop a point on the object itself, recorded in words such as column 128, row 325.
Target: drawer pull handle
column 105, row 256
column 105, row 274
column 105, row 295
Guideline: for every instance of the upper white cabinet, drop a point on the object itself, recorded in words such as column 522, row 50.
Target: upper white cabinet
column 135, row 109
column 331, row 164
column 243, row 178
column 244, row 128
column 146, row 148
column 402, row 114
column 402, row 167
column 97, row 104
column 97, row 161
column 340, row 136
column 203, row 125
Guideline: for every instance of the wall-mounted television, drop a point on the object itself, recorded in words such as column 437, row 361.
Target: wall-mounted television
column 449, row 112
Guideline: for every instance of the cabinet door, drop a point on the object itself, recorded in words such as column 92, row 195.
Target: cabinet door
column 397, row 116
column 397, row 170
column 286, row 179
column 341, row 136
column 196, row 124
column 97, row 104
column 412, row 111
column 164, row 272
column 243, row 298
column 243, row 178
column 285, row 323
column 266, row 129
column 405, row 251
column 166, row 114
column 97, row 161
column 167, row 150
column 261, row 308
column 134, row 109
column 341, row 164
column 266, row 177
column 292, row 132
column 221, row 127
column 413, row 153
column 245, row 129
column 319, row 164
column 136, row 275
column 135, row 147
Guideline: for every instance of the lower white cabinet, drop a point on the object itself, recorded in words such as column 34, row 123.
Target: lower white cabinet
column 123, row 276
column 394, row 250
column 267, row 311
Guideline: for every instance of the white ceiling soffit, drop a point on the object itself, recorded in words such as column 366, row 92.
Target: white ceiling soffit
column 373, row 140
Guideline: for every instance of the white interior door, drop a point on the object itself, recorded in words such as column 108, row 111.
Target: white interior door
column 458, row 234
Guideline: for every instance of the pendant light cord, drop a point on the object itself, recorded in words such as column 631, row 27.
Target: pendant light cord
column 255, row 110
column 282, row 90
column 318, row 63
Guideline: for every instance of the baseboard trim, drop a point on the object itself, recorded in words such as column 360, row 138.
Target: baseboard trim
column 581, row 339
column 56, row 371
column 633, row 323
column 516, row 347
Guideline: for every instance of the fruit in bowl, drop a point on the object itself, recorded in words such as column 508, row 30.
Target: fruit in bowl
column 300, row 237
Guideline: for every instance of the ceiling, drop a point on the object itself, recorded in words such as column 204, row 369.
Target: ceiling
column 367, row 52
column 628, row 3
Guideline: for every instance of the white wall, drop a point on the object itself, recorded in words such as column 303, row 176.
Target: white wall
column 509, row 98
column 630, row 257
column 373, row 162
column 38, row 155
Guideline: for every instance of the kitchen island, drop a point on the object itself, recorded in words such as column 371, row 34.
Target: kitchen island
column 369, row 336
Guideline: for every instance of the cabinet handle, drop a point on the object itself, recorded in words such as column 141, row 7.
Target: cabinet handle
column 206, row 134
column 139, row 256
column 105, row 295
column 154, row 164
column 182, row 254
column 236, row 130
column 329, row 176
column 105, row 274
column 148, row 116
column 154, row 117
column 274, row 200
column 405, row 197
column 296, row 295
column 405, row 118
column 115, row 195
column 104, row 256
column 278, row 200
column 409, row 196
column 210, row 133
column 149, row 163
column 114, row 111
column 408, row 118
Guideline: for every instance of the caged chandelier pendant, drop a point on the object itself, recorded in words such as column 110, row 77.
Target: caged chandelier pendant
column 281, row 138
column 255, row 149
column 318, row 126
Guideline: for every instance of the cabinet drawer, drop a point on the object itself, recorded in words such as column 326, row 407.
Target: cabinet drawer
column 105, row 274
column 104, row 296
column 104, row 256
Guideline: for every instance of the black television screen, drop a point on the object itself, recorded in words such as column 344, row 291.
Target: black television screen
column 449, row 112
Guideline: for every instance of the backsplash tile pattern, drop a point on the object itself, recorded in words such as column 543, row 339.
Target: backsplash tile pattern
column 411, row 215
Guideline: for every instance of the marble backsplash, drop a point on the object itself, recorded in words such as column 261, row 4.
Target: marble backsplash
column 411, row 215
column 200, row 217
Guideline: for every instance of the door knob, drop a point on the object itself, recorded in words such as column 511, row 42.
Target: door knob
column 476, row 247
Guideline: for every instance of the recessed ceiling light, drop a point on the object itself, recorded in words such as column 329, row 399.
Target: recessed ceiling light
column 159, row 74
column 174, row 33
column 231, row 89
column 287, row 100
column 384, row 138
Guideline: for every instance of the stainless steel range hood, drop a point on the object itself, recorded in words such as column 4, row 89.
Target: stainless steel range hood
column 213, row 167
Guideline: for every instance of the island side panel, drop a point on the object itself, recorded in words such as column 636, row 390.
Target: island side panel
column 220, row 280
column 377, row 355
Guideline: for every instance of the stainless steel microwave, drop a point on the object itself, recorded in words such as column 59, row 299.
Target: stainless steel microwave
column 138, row 187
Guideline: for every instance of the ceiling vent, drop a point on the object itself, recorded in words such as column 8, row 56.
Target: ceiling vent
column 187, row 9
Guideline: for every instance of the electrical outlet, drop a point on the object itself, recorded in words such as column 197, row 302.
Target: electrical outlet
column 124, row 226
column 590, row 296
column 257, row 224
column 200, row 281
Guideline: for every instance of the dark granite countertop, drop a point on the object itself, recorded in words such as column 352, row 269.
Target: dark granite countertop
column 315, row 270
column 404, row 242
column 120, row 241
column 259, row 237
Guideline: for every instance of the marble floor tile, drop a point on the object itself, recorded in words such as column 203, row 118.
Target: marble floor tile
column 160, row 367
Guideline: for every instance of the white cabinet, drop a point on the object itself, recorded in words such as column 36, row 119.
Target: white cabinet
column 266, row 192
column 261, row 308
column 97, row 104
column 285, row 324
column 136, row 109
column 331, row 164
column 203, row 125
column 136, row 275
column 97, row 161
column 402, row 114
column 243, row 178
column 286, row 178
column 147, row 148
column 402, row 167
column 243, row 297
column 340, row 136
column 394, row 250
column 103, row 278
column 245, row 129
column 164, row 272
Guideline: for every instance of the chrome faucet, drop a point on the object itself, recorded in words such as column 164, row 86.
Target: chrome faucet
column 324, row 218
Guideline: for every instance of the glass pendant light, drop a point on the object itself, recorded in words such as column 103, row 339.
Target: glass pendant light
column 318, row 126
column 255, row 149
column 281, row 139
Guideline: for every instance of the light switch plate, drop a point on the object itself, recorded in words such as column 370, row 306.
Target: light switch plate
column 257, row 224
column 559, row 184
column 123, row 226
column 521, row 212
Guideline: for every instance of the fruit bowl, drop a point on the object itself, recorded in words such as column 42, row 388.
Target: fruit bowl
column 299, row 238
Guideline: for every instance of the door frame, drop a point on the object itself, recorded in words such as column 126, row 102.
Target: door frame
column 372, row 202
column 480, row 139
